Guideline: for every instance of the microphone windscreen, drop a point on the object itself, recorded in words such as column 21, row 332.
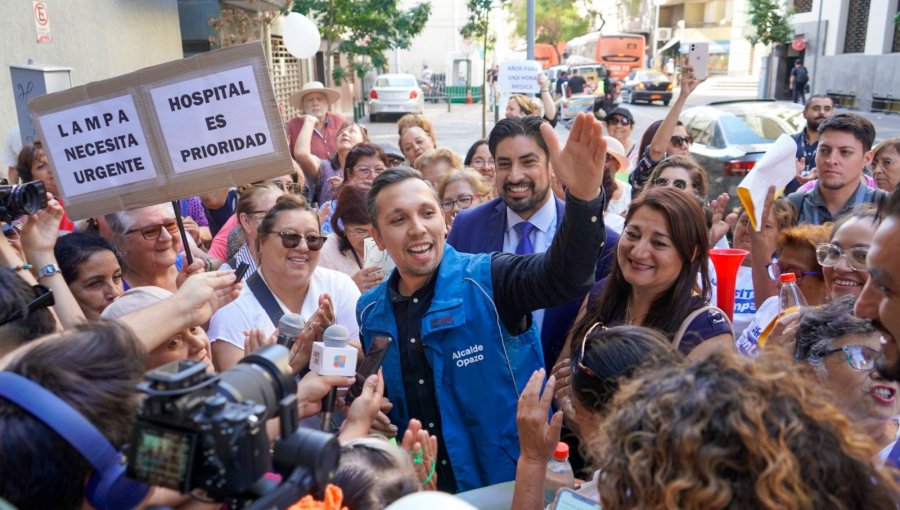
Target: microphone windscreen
column 290, row 325
column 335, row 336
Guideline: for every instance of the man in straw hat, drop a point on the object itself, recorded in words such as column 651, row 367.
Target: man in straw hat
column 313, row 100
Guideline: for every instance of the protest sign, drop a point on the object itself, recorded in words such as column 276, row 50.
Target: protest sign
column 519, row 77
column 163, row 133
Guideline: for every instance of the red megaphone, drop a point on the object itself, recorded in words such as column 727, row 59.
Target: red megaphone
column 726, row 261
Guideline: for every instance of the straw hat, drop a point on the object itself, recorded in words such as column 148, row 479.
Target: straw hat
column 615, row 149
column 296, row 99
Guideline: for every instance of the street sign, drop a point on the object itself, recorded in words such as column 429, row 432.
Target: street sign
column 42, row 22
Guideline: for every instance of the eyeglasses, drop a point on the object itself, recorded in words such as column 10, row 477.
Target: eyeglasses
column 288, row 187
column 775, row 270
column 680, row 141
column 368, row 171
column 481, row 162
column 829, row 255
column 154, row 232
column 358, row 232
column 43, row 298
column 664, row 182
column 464, row 201
column 579, row 364
column 859, row 357
column 394, row 162
column 622, row 121
column 291, row 240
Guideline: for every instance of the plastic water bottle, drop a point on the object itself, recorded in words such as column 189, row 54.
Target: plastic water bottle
column 559, row 473
column 789, row 297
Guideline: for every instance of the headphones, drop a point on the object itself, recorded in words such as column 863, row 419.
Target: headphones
column 108, row 487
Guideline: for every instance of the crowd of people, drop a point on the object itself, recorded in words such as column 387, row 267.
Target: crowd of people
column 535, row 292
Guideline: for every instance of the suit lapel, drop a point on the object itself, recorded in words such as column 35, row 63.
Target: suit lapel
column 496, row 227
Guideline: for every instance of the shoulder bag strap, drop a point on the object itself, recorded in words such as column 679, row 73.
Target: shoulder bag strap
column 676, row 340
column 265, row 297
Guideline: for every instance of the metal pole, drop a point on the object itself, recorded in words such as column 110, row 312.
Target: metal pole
column 819, row 45
column 530, row 31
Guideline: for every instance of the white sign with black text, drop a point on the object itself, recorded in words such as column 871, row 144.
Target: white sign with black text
column 519, row 77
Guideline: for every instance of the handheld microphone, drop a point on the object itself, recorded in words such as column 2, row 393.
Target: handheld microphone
column 332, row 356
column 289, row 326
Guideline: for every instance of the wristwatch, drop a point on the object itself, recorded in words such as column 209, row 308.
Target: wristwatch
column 48, row 270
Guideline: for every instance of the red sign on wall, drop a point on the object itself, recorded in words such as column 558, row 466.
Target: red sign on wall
column 42, row 22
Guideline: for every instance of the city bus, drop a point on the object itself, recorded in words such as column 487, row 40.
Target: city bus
column 547, row 55
column 620, row 53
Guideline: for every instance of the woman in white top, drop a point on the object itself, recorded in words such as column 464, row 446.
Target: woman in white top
column 288, row 244
column 254, row 201
column 345, row 250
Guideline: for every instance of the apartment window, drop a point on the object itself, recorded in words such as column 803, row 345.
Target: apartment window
column 803, row 5
column 857, row 26
column 286, row 76
column 895, row 48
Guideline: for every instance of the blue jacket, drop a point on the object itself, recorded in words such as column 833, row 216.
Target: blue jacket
column 479, row 368
column 480, row 230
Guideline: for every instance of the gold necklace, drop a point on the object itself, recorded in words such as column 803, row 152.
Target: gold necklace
column 628, row 318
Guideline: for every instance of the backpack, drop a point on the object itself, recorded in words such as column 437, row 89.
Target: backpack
column 802, row 75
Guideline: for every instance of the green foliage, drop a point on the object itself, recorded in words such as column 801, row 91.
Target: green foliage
column 477, row 25
column 772, row 27
column 363, row 31
column 554, row 20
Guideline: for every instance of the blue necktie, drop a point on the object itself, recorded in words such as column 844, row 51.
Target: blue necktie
column 524, row 230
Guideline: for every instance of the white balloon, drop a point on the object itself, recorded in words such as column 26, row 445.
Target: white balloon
column 301, row 37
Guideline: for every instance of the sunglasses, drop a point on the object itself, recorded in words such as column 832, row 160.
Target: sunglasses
column 579, row 364
column 858, row 357
column 154, row 232
column 775, row 270
column 829, row 255
column 681, row 141
column 621, row 121
column 291, row 240
column 43, row 298
column 464, row 201
column 664, row 182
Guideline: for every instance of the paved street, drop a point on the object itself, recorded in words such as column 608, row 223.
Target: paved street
column 459, row 128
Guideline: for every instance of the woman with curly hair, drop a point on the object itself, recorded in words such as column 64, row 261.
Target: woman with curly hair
column 726, row 433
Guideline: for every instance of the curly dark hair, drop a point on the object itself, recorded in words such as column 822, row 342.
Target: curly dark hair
column 730, row 433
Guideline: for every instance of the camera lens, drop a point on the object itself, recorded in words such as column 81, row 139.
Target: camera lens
column 16, row 201
column 264, row 377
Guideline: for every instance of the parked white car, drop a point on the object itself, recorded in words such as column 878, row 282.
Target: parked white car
column 395, row 94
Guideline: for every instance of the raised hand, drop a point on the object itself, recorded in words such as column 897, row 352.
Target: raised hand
column 537, row 438
column 580, row 165
column 42, row 228
column 689, row 81
column 721, row 221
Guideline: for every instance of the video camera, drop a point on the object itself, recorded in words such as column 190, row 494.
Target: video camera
column 21, row 199
column 201, row 431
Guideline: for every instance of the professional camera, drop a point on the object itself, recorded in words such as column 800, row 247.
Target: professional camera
column 208, row 432
column 21, row 199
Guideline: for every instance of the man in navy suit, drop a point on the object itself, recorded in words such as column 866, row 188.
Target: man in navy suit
column 524, row 217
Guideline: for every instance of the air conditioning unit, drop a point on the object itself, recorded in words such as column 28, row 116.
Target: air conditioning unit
column 663, row 34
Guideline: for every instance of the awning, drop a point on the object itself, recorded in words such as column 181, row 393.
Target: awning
column 670, row 44
column 715, row 47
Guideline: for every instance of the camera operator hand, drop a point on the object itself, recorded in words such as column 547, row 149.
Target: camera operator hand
column 365, row 408
column 313, row 388
column 38, row 239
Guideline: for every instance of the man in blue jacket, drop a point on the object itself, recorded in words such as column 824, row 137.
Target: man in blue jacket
column 524, row 205
column 466, row 343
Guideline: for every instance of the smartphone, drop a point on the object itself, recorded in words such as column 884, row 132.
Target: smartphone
column 698, row 58
column 241, row 270
column 370, row 365
column 567, row 499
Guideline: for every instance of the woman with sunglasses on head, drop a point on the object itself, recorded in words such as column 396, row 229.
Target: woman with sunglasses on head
column 603, row 359
column 288, row 243
column 683, row 173
column 479, row 157
column 254, row 201
column 669, row 138
column 324, row 176
column 839, row 350
column 364, row 163
column 460, row 189
column 795, row 253
column 345, row 249
column 659, row 278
